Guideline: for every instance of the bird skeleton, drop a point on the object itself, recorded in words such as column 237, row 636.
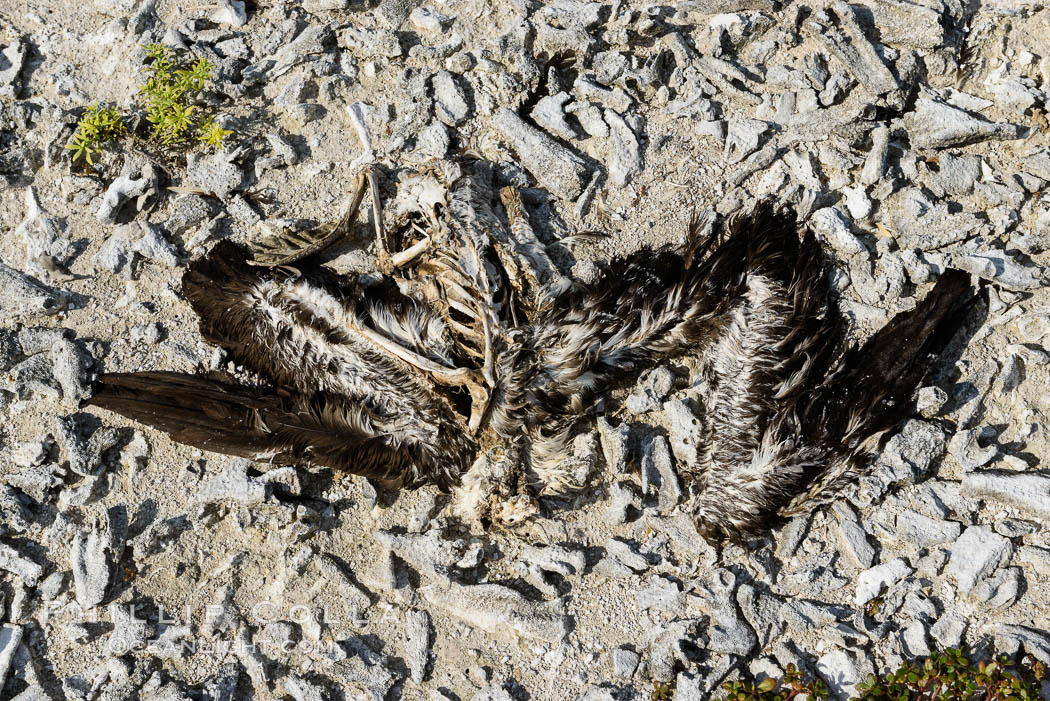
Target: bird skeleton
column 470, row 360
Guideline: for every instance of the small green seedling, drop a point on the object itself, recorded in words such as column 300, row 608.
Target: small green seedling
column 662, row 691
column 96, row 127
column 212, row 134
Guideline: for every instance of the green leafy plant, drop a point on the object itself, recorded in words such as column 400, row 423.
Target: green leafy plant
column 662, row 691
column 790, row 687
column 944, row 676
column 96, row 127
column 172, row 80
column 212, row 134
column 952, row 675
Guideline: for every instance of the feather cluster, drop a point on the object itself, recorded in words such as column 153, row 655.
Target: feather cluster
column 472, row 349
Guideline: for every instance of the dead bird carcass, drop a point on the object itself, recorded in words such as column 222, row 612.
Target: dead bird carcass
column 473, row 349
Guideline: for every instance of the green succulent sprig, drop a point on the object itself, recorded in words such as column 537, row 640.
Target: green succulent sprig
column 952, row 675
column 212, row 134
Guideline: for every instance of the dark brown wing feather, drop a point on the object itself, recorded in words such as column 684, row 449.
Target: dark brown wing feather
column 295, row 327
column 341, row 402
column 260, row 424
column 643, row 309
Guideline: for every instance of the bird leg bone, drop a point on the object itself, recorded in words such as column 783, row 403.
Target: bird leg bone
column 410, row 254
column 390, row 261
column 472, row 379
column 382, row 244
column 403, row 258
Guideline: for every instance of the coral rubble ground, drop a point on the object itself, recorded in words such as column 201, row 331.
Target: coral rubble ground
column 913, row 136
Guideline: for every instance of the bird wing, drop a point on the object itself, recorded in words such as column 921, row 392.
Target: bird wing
column 309, row 330
column 591, row 338
column 300, row 329
column 776, row 341
column 266, row 425
column 791, row 408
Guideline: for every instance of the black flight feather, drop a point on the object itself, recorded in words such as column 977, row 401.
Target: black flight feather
column 261, row 424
